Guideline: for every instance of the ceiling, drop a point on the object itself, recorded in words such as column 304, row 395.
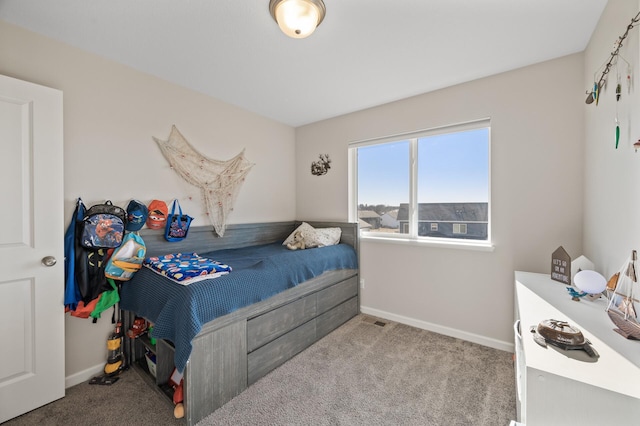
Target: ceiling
column 365, row 53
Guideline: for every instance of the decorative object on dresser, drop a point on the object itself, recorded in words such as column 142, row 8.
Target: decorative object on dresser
column 581, row 263
column 562, row 335
column 623, row 300
column 568, row 387
column 590, row 283
column 561, row 266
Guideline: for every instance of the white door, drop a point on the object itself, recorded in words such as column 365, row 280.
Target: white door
column 31, row 234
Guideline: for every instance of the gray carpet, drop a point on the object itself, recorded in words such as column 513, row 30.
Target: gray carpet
column 361, row 374
column 364, row 374
column 129, row 401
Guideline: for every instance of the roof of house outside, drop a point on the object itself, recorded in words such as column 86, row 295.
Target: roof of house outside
column 448, row 212
column 392, row 213
column 367, row 213
column 362, row 224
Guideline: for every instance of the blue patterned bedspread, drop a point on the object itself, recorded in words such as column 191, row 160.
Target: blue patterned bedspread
column 178, row 312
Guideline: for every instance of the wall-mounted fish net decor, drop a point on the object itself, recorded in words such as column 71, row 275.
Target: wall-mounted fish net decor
column 219, row 181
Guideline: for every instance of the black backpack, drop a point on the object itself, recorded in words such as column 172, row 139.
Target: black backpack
column 103, row 226
column 101, row 229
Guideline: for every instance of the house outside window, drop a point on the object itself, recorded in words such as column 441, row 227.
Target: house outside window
column 437, row 182
column 455, row 220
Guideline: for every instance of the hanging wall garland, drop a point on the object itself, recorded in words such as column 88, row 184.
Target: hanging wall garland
column 594, row 94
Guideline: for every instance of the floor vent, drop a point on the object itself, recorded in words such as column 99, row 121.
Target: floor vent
column 380, row 323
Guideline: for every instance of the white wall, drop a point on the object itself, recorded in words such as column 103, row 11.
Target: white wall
column 536, row 197
column 612, row 177
column 111, row 113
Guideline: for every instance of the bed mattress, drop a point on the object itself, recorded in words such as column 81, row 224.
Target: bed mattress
column 178, row 312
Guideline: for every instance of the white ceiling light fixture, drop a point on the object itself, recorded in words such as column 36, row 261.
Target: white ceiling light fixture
column 297, row 18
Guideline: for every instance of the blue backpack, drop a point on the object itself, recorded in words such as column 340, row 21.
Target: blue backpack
column 103, row 226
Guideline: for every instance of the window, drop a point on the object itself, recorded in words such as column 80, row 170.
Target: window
column 436, row 183
column 459, row 228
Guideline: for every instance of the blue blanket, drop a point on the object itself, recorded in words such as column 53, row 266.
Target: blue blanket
column 178, row 312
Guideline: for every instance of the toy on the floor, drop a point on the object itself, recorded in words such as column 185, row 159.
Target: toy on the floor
column 177, row 382
column 115, row 359
column 114, row 346
column 178, row 411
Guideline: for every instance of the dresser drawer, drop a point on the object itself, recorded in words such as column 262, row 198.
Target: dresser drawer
column 273, row 324
column 277, row 352
column 336, row 294
column 335, row 317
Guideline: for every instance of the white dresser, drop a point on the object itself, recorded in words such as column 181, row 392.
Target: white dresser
column 557, row 387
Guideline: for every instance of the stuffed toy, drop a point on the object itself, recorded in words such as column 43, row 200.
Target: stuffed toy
column 298, row 242
column 178, row 398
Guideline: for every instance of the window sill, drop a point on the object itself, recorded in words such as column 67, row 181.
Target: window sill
column 449, row 244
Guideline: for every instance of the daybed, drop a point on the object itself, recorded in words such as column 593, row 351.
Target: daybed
column 245, row 338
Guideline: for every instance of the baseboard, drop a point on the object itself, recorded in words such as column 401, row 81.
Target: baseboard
column 83, row 376
column 447, row 331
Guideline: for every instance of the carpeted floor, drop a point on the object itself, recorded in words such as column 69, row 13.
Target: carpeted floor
column 365, row 374
column 129, row 401
column 361, row 374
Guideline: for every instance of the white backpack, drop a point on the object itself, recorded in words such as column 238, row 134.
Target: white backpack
column 127, row 259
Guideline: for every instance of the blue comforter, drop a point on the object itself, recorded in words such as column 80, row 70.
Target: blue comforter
column 259, row 272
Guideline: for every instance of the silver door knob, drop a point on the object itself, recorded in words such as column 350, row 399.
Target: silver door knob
column 49, row 261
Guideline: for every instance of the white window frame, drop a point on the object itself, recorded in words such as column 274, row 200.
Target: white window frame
column 412, row 237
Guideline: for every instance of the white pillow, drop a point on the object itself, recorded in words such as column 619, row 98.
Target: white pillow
column 316, row 237
column 326, row 237
column 306, row 230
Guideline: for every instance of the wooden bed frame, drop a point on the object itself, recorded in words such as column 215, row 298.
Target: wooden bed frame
column 232, row 352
